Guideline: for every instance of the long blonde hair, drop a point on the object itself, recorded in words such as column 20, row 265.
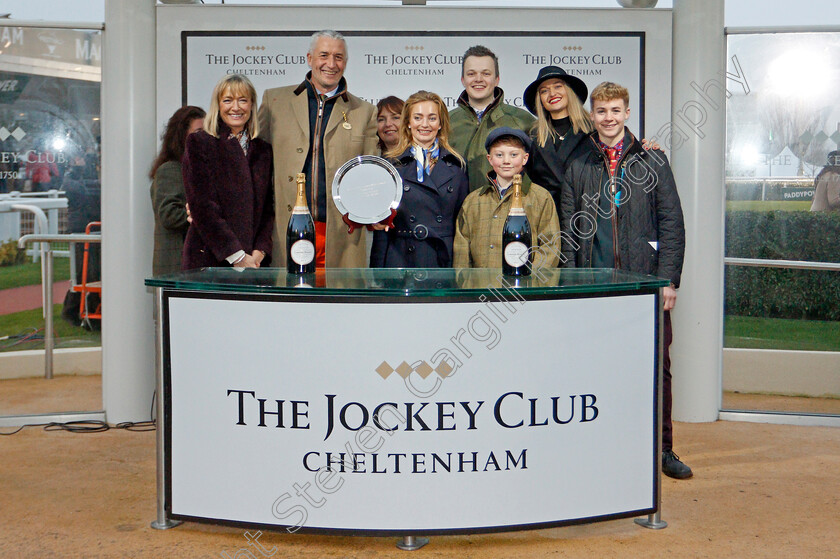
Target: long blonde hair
column 238, row 85
column 405, row 132
column 577, row 115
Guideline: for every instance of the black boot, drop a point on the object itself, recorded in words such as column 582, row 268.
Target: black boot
column 673, row 467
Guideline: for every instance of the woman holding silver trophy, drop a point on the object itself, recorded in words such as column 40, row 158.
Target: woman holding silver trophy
column 434, row 187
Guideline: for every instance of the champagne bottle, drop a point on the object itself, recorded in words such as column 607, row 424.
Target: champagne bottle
column 300, row 234
column 516, row 236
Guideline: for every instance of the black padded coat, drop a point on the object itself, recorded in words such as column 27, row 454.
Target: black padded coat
column 649, row 220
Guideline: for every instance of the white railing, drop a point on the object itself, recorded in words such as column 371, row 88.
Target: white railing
column 47, row 275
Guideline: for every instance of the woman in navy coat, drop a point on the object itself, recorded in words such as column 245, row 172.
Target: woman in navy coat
column 227, row 179
column 434, row 187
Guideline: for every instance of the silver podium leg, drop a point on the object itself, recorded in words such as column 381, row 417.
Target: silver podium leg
column 654, row 521
column 411, row 543
column 162, row 522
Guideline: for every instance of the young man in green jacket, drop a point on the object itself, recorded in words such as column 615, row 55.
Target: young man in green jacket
column 481, row 109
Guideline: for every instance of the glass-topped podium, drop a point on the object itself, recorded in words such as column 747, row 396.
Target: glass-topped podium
column 426, row 282
column 407, row 401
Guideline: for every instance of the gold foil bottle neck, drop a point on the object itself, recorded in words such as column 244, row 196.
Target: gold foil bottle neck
column 300, row 201
column 516, row 201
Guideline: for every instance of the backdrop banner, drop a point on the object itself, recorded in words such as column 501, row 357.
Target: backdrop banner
column 400, row 63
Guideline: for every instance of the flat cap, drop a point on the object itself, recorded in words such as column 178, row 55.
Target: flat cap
column 507, row 131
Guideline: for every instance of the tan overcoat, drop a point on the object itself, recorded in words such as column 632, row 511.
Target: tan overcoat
column 284, row 122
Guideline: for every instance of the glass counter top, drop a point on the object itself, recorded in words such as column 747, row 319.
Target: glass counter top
column 406, row 282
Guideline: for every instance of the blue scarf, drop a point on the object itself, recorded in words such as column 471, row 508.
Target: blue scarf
column 425, row 158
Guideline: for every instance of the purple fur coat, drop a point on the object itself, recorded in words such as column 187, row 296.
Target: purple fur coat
column 230, row 199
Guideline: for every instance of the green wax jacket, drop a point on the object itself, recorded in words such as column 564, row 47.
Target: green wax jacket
column 481, row 221
column 468, row 134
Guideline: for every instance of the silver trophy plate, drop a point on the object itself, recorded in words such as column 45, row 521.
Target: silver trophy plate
column 367, row 188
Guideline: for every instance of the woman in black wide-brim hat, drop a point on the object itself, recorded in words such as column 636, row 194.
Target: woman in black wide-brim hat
column 556, row 98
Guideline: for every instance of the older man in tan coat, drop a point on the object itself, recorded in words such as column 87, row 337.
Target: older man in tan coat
column 314, row 128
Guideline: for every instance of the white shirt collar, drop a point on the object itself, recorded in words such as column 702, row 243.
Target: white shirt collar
column 329, row 94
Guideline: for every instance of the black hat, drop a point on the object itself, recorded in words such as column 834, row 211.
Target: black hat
column 549, row 72
column 507, row 131
column 834, row 158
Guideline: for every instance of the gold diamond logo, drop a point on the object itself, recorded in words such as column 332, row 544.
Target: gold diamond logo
column 403, row 369
column 443, row 369
column 424, row 370
column 384, row 370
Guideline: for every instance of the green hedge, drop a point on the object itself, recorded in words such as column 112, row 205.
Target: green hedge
column 780, row 293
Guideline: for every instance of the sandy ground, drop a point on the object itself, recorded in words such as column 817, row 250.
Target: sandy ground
column 758, row 491
column 25, row 396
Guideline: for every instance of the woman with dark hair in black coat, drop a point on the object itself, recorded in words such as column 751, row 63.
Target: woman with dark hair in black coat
column 167, row 191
